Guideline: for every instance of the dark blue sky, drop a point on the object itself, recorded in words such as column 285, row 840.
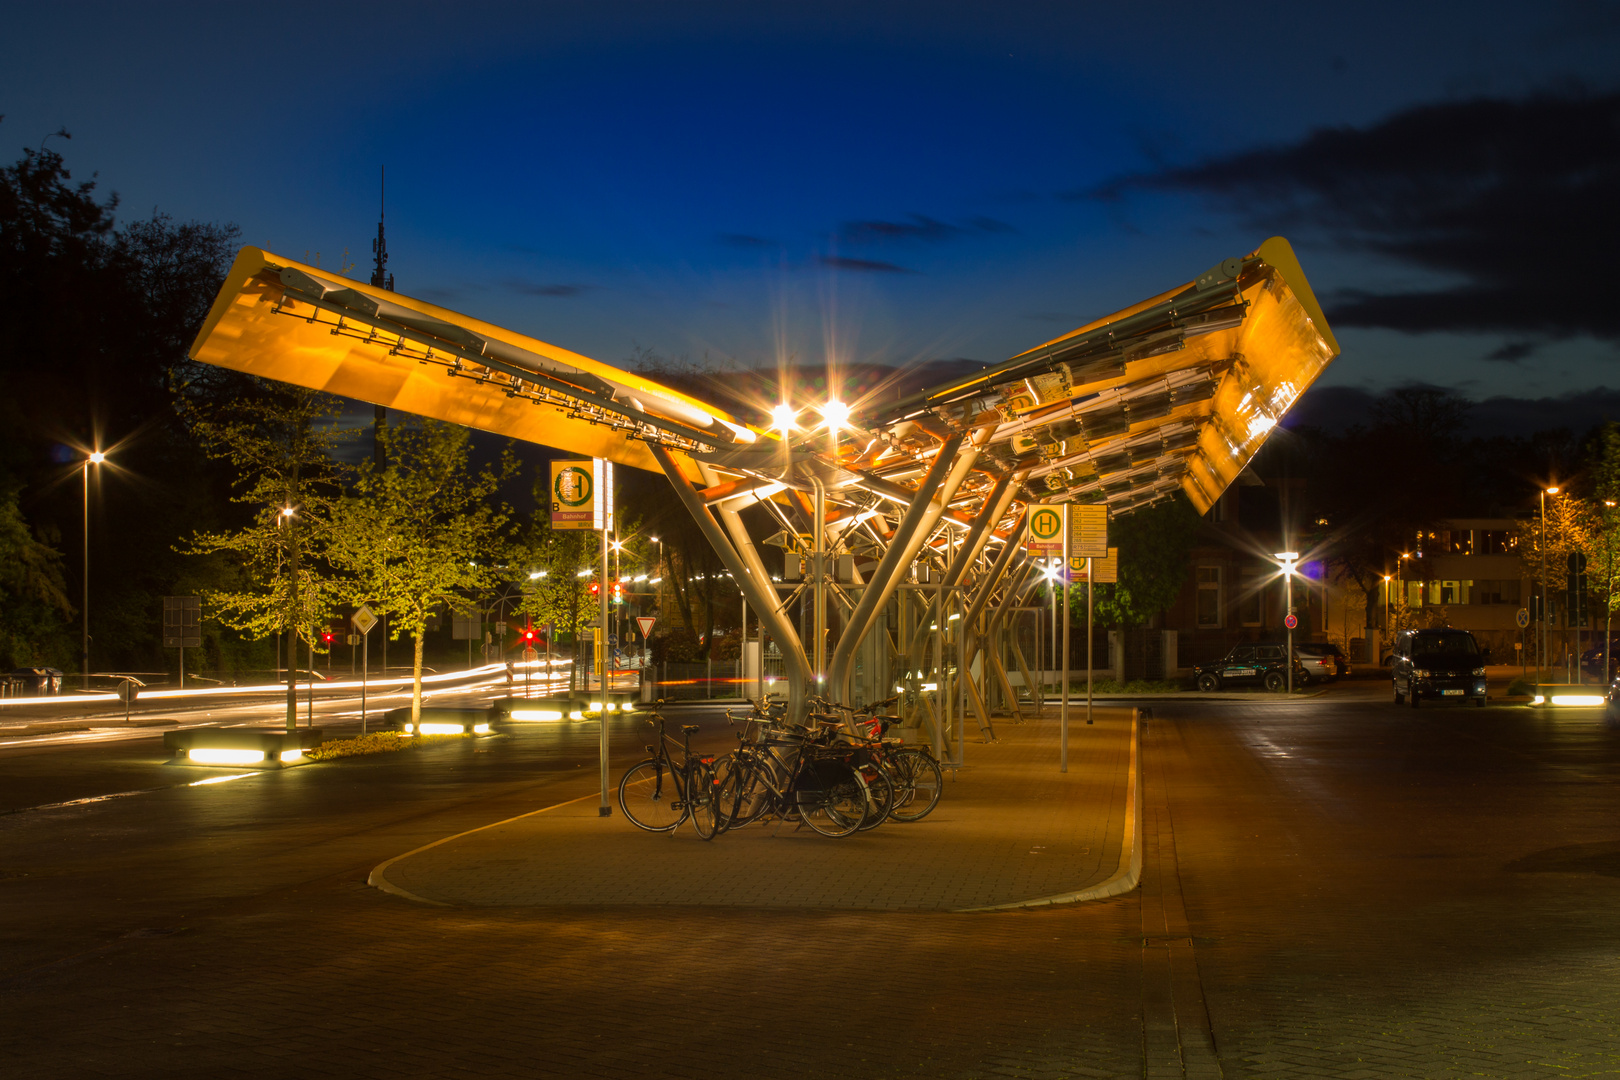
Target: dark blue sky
column 879, row 182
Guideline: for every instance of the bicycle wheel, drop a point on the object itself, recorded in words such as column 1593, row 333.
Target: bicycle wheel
column 703, row 801
column 840, row 807
column 880, row 789
column 650, row 796
column 924, row 783
column 740, row 791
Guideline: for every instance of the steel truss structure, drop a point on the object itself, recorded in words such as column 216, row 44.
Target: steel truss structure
column 909, row 516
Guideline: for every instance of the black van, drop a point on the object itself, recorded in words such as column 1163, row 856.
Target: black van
column 1445, row 664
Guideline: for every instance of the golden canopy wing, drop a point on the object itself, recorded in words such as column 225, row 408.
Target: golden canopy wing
column 1178, row 391
column 283, row 320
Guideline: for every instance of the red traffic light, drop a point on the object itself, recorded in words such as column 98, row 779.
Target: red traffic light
column 327, row 637
column 528, row 635
column 595, row 589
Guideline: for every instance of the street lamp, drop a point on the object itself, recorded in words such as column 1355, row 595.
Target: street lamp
column 96, row 458
column 1608, row 611
column 1546, row 608
column 1386, row 603
column 1288, row 559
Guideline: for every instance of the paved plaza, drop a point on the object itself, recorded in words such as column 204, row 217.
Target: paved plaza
column 1332, row 887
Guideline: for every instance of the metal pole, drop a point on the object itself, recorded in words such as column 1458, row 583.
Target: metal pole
column 365, row 669
column 1288, row 600
column 1063, row 708
column 85, row 616
column 1090, row 650
column 182, row 666
column 1546, row 608
column 604, row 810
column 818, row 567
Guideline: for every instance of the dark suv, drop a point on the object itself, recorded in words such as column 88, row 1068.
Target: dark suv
column 1445, row 664
column 1249, row 665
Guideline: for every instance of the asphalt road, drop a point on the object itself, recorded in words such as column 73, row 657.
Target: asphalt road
column 1333, row 887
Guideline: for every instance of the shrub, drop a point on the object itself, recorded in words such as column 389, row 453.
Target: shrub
column 377, row 742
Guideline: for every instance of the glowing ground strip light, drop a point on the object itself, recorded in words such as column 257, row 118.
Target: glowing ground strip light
column 225, row 755
column 1570, row 700
column 381, row 685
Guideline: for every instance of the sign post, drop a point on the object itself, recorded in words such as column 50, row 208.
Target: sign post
column 582, row 498
column 363, row 621
column 1088, row 539
column 182, row 627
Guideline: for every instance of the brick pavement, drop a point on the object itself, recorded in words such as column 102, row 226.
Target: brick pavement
column 1336, row 892
column 1009, row 827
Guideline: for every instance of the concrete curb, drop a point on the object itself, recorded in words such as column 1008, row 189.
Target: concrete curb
column 378, row 879
column 1129, row 873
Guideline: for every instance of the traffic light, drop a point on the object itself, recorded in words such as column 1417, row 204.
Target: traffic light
column 327, row 637
column 618, row 592
column 527, row 634
column 596, row 590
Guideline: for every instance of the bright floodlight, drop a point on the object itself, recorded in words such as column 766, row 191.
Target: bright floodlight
column 97, row 457
column 1552, row 491
column 784, row 417
column 1288, row 556
column 286, row 511
column 835, row 412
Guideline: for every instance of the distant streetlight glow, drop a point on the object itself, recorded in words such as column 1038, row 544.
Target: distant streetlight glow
column 97, row 457
column 784, row 417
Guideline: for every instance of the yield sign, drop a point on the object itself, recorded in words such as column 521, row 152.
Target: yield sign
column 646, row 624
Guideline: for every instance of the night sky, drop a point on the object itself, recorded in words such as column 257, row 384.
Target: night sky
column 886, row 182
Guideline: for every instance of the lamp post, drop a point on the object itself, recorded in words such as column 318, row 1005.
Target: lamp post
column 1608, row 610
column 1288, row 559
column 1546, row 607
column 286, row 519
column 96, row 458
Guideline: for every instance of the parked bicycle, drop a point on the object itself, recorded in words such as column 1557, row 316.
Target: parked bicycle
column 790, row 773
column 912, row 771
column 661, row 792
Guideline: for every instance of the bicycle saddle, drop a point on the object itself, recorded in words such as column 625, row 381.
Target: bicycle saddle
column 689, row 728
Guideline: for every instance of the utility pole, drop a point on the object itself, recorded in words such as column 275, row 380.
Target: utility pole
column 382, row 279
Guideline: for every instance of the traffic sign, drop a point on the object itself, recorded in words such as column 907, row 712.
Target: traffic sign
column 1088, row 531
column 1045, row 530
column 364, row 619
column 646, row 624
column 182, row 622
column 1292, row 621
column 1522, row 618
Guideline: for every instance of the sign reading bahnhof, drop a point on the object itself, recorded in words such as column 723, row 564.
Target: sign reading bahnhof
column 582, row 494
column 1045, row 530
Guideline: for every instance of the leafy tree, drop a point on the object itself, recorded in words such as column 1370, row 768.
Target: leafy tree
column 422, row 533
column 1155, row 546
column 33, row 600
column 281, row 440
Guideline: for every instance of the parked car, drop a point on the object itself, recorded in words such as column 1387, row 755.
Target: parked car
column 1441, row 663
column 1322, row 659
column 1249, row 665
column 1592, row 659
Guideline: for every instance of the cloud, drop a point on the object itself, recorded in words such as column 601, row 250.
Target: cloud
column 870, row 266
column 557, row 289
column 743, row 240
column 1511, row 200
column 1512, row 352
column 916, row 228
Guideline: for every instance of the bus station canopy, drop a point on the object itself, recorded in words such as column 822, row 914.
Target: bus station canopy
column 1177, row 392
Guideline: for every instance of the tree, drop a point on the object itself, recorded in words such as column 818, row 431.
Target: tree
column 1154, row 548
column 33, row 600
column 281, row 440
column 422, row 533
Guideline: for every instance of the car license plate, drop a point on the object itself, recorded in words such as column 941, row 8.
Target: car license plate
column 1451, row 693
